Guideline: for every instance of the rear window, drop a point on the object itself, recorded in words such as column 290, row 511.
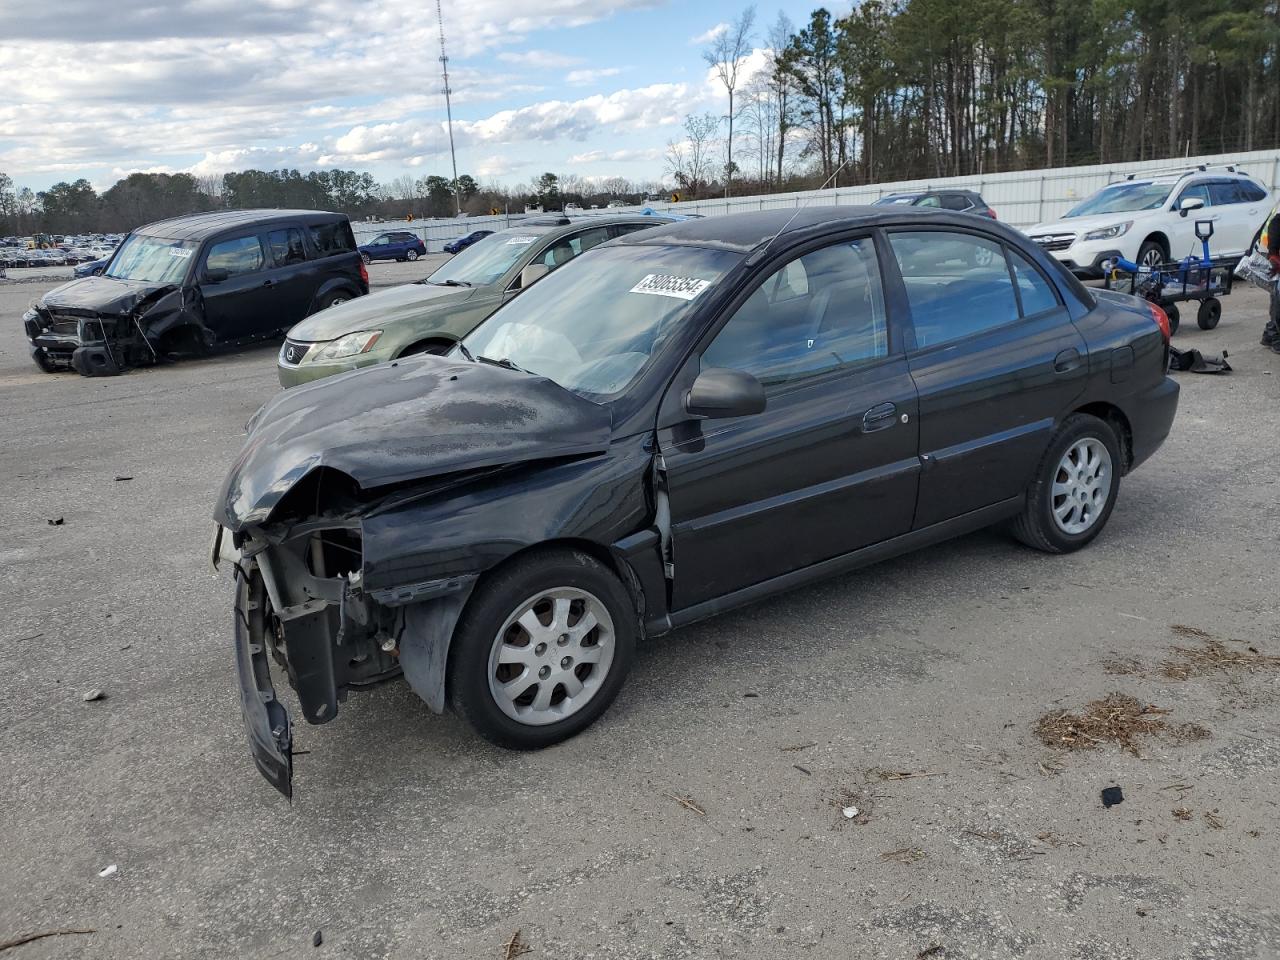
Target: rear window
column 334, row 238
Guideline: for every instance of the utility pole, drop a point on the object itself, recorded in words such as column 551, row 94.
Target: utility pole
column 448, row 110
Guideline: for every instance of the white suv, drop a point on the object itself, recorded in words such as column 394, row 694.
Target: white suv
column 1152, row 220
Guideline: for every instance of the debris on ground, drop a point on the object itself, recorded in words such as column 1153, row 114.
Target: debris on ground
column 905, row 856
column 515, row 947
column 1196, row 362
column 1183, row 630
column 1112, row 796
column 56, row 521
column 317, row 938
column 933, row 950
column 900, row 774
column 95, row 694
column 1118, row 719
column 1122, row 666
column 1212, row 819
column 121, row 479
column 1182, row 813
column 805, row 770
column 109, row 871
column 799, row 746
column 853, row 805
column 1213, row 657
column 32, row 937
column 849, row 812
column 994, row 836
column 687, row 803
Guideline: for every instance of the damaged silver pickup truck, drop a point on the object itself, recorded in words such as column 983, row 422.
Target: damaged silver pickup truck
column 672, row 424
column 184, row 285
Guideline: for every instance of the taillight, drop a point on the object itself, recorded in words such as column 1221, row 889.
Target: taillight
column 993, row 214
column 1162, row 321
column 364, row 273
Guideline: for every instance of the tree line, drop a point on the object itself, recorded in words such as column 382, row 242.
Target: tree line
column 905, row 89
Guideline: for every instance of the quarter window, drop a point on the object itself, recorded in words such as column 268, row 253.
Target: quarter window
column 957, row 284
column 956, row 201
column 239, row 256
column 819, row 313
column 286, row 246
column 1252, row 192
column 334, row 238
column 1034, row 290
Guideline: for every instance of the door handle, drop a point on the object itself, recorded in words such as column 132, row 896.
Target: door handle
column 878, row 417
column 1067, row 360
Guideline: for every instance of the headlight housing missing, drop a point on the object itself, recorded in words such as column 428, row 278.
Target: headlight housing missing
column 1111, row 232
column 351, row 345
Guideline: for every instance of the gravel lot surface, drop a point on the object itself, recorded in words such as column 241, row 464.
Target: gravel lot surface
column 704, row 816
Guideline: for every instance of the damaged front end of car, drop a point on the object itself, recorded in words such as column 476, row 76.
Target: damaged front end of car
column 101, row 331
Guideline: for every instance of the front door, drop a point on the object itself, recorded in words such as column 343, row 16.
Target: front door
column 997, row 362
column 236, row 286
column 830, row 465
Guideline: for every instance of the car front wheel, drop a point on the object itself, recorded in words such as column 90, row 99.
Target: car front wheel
column 542, row 649
column 1075, row 487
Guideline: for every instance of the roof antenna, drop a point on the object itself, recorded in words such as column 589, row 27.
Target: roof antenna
column 756, row 255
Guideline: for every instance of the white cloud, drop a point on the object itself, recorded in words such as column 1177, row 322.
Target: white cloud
column 540, row 59
column 585, row 77
column 710, row 35
column 614, row 156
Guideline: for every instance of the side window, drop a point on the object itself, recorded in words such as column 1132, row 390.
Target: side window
column 622, row 229
column 956, row 201
column 1034, row 290
column 585, row 241
column 239, row 256
column 1252, row 192
column 930, row 201
column 1225, row 192
column 331, row 239
column 286, row 246
column 957, row 284
column 1200, row 190
column 822, row 312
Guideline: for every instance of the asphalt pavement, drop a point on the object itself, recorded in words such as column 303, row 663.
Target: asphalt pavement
column 707, row 814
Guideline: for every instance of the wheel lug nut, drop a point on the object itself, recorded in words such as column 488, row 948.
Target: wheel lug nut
column 544, row 673
column 540, row 649
column 563, row 639
column 566, row 663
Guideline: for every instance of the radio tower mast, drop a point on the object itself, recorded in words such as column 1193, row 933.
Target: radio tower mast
column 448, row 110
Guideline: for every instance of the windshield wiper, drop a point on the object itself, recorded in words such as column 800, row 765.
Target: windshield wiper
column 465, row 352
column 504, row 362
column 450, row 283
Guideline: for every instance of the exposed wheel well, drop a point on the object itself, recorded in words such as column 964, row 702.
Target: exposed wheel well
column 596, row 551
column 1161, row 239
column 1114, row 416
column 427, row 345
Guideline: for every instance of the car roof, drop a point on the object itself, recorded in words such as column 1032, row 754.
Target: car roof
column 744, row 232
column 550, row 224
column 199, row 226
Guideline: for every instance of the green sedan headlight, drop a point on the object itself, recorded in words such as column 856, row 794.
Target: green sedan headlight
column 351, row 345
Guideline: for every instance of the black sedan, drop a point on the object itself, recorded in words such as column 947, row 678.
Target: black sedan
column 673, row 424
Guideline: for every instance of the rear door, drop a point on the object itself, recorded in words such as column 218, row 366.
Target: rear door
column 996, row 360
column 830, row 465
column 238, row 304
column 1237, row 217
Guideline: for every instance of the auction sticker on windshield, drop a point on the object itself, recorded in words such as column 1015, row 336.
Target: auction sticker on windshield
column 521, row 240
column 682, row 288
column 179, row 252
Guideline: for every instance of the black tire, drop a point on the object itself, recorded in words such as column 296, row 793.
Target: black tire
column 332, row 299
column 1145, row 251
column 1209, row 314
column 1171, row 311
column 495, row 599
column 1036, row 526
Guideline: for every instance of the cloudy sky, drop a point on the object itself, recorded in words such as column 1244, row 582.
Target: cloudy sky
column 592, row 87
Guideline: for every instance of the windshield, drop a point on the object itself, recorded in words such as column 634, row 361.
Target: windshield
column 1123, row 198
column 151, row 259
column 487, row 259
column 592, row 325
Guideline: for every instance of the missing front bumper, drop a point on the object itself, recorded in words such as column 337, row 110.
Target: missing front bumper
column 265, row 718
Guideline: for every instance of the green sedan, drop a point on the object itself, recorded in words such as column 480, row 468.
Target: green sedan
column 431, row 315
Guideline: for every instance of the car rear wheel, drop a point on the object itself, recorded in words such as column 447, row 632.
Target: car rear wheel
column 366, row 258
column 411, row 256
column 1075, row 487
column 542, row 649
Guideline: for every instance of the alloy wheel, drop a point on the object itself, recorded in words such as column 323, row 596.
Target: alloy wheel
column 1081, row 486
column 551, row 656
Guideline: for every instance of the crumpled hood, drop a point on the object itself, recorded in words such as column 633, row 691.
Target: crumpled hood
column 105, row 295
column 420, row 417
column 386, row 306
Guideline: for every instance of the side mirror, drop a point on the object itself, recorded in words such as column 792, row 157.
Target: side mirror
column 719, row 393
column 1187, row 204
column 216, row 274
column 533, row 272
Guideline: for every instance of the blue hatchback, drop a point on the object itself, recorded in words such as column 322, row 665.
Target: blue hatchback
column 397, row 245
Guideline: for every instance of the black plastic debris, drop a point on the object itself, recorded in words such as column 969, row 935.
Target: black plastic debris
column 1193, row 361
column 121, row 479
column 56, row 522
column 1111, row 796
column 317, row 939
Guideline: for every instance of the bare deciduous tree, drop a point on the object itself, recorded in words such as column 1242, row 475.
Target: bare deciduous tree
column 689, row 160
column 725, row 55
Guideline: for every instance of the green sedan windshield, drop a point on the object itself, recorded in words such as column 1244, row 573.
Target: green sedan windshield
column 593, row 324
column 485, row 261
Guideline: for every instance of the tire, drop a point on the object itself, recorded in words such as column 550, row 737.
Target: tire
column 1054, row 486
column 1152, row 252
column 481, row 651
column 1209, row 314
column 1171, row 311
column 366, row 258
column 332, row 300
column 411, row 256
